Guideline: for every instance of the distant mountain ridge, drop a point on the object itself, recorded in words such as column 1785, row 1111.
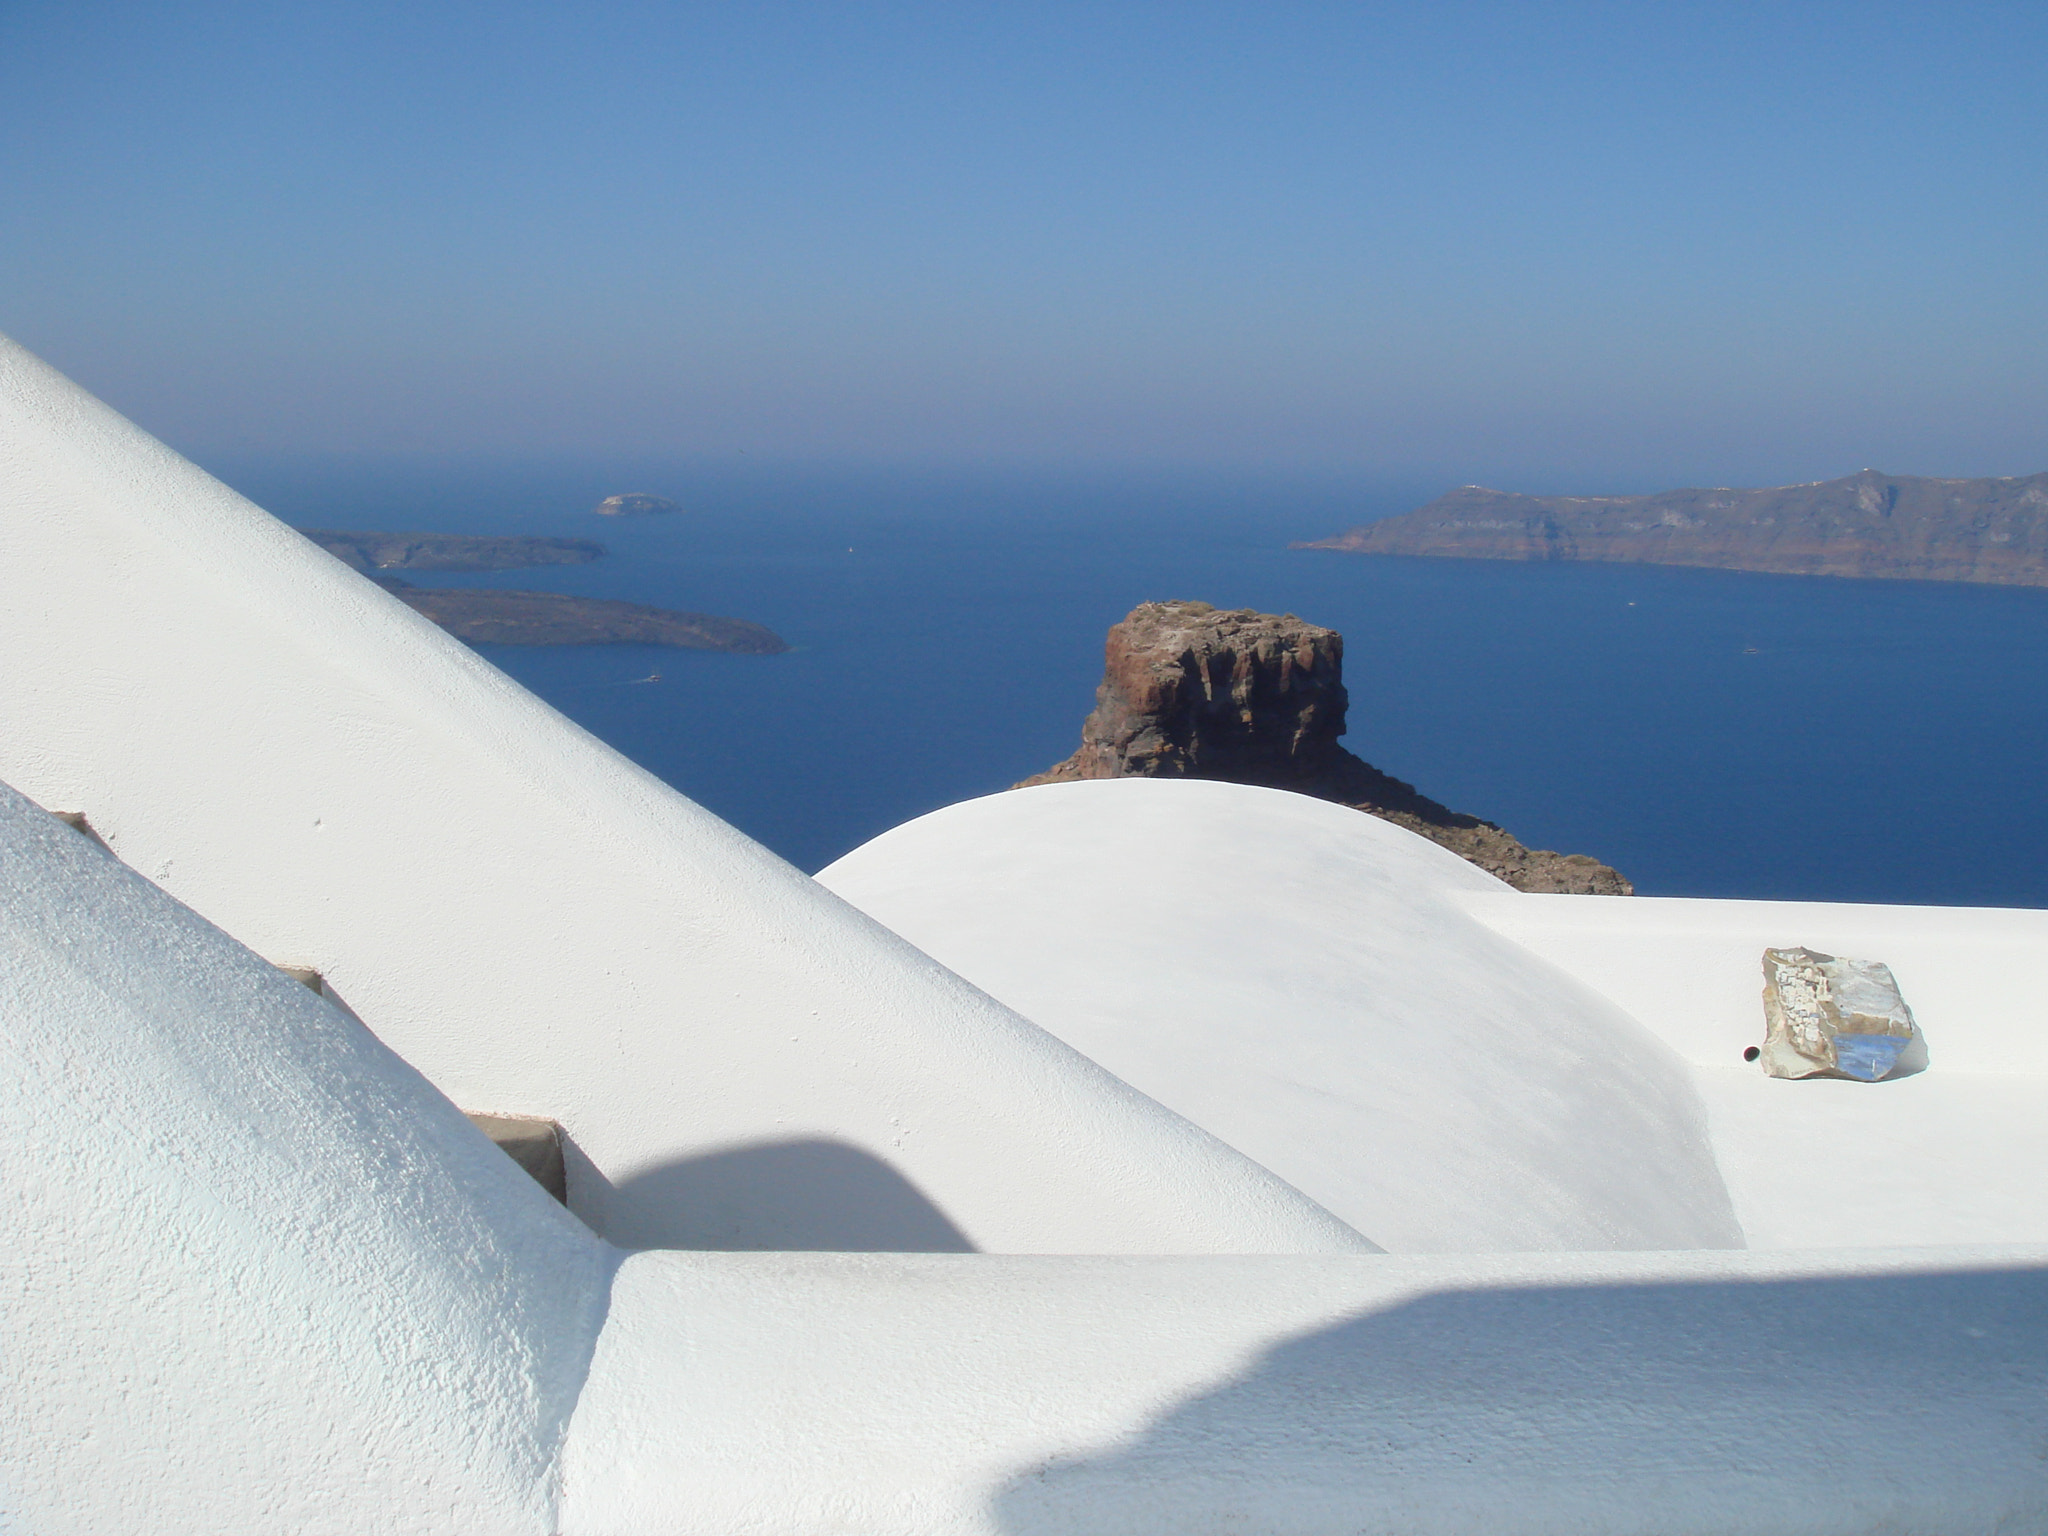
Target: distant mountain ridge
column 1869, row 524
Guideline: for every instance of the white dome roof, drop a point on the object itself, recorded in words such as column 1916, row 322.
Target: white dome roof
column 1297, row 978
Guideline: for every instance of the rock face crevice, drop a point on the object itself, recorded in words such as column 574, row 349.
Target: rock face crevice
column 1192, row 692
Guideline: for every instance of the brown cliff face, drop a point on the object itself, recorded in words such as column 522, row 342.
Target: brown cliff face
column 1898, row 527
column 1190, row 692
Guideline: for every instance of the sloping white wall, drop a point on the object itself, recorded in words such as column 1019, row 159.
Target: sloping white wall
column 256, row 1275
column 1299, row 978
column 1692, row 1394
column 536, row 924
column 1951, row 1155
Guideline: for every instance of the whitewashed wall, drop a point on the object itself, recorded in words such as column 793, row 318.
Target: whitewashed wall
column 255, row 1274
column 529, row 919
column 1665, row 1394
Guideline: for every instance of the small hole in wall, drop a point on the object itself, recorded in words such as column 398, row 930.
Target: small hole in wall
column 1752, row 1053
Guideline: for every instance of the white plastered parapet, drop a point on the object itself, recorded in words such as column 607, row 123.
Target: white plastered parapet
column 1650, row 1394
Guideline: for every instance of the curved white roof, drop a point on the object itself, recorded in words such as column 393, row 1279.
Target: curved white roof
column 1269, row 966
column 1300, row 979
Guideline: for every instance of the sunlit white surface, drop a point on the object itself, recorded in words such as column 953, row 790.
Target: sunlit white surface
column 1301, row 979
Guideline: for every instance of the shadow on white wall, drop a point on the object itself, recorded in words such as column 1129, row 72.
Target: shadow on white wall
column 812, row 1196
column 1752, row 1404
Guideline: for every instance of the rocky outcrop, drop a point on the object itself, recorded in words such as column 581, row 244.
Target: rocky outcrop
column 1193, row 692
column 1897, row 527
column 634, row 504
column 450, row 551
column 485, row 617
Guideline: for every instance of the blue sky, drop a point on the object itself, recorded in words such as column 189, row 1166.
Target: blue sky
column 1558, row 246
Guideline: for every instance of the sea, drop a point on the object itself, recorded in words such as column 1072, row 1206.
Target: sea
column 1708, row 733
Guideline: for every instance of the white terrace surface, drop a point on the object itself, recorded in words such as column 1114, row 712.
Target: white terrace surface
column 1951, row 1155
column 257, row 1275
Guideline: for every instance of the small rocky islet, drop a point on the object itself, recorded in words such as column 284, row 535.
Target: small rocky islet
column 635, row 504
column 1190, row 691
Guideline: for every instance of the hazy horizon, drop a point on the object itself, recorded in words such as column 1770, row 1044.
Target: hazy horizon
column 1583, row 247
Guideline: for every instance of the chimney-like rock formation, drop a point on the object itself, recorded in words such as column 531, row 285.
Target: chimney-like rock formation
column 1192, row 692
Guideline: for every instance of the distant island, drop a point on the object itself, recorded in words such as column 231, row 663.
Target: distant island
column 450, row 551
column 483, row 617
column 634, row 504
column 1895, row 527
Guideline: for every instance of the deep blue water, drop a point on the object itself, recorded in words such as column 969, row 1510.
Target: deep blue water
column 1708, row 733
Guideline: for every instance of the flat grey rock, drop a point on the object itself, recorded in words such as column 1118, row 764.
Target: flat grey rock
column 1829, row 1017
